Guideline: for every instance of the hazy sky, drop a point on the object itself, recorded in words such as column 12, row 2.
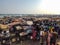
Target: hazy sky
column 30, row 6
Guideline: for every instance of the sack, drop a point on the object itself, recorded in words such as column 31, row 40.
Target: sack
column 13, row 40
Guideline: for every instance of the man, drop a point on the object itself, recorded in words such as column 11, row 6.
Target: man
column 5, row 37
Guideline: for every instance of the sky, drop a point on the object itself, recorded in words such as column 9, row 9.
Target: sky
column 29, row 6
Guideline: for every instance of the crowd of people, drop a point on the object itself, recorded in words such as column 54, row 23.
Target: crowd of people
column 13, row 29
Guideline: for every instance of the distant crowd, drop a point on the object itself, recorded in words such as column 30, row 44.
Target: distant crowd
column 13, row 29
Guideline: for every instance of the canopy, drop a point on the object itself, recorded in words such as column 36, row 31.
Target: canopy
column 3, row 27
column 29, row 22
column 14, row 23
